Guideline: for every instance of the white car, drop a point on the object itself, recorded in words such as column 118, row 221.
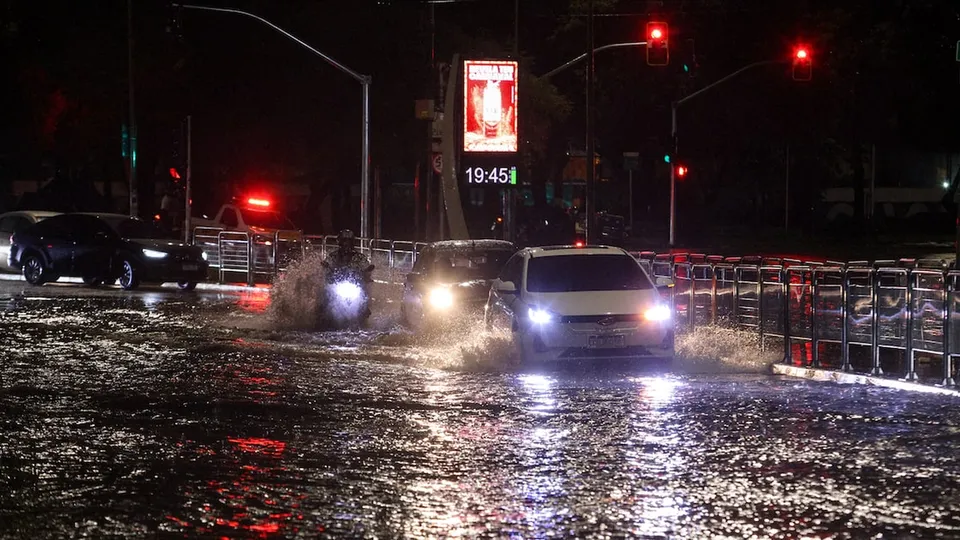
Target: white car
column 569, row 303
column 14, row 222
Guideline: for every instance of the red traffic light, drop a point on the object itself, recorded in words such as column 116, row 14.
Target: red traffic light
column 658, row 46
column 802, row 65
column 681, row 170
column 174, row 174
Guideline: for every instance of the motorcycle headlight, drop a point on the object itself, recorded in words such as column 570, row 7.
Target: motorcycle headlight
column 347, row 290
column 539, row 316
column 154, row 254
column 440, row 298
column 657, row 313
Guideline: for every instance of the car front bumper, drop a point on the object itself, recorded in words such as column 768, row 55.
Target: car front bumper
column 573, row 341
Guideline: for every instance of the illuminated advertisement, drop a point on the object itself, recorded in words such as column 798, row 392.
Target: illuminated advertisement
column 489, row 106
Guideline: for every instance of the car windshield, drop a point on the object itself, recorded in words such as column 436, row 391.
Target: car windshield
column 587, row 272
column 467, row 265
column 268, row 220
column 137, row 228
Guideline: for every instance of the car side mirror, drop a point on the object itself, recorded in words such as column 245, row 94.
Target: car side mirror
column 664, row 284
column 506, row 287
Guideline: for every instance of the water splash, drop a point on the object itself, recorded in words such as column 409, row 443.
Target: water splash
column 722, row 350
column 296, row 301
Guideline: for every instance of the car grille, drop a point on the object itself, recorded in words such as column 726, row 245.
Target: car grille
column 595, row 319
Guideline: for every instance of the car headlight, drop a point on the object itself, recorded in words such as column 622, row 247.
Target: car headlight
column 539, row 316
column 203, row 254
column 347, row 290
column 440, row 298
column 659, row 312
column 154, row 254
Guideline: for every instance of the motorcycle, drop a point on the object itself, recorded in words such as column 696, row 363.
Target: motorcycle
column 347, row 293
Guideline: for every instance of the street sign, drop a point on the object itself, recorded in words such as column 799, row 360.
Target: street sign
column 631, row 161
column 438, row 163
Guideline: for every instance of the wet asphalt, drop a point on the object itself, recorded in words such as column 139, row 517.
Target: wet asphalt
column 207, row 414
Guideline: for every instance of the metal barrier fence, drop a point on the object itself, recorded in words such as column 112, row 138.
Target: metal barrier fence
column 883, row 318
column 261, row 257
column 880, row 318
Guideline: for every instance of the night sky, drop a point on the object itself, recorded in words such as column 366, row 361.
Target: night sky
column 264, row 109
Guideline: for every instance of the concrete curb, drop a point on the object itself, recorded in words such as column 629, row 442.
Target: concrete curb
column 824, row 375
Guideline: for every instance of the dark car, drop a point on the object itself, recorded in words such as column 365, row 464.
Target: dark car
column 452, row 278
column 103, row 249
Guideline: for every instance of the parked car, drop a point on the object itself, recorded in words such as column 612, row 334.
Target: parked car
column 583, row 304
column 451, row 279
column 87, row 246
column 14, row 222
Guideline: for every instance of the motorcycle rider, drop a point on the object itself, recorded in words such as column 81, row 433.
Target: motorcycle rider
column 349, row 258
column 346, row 255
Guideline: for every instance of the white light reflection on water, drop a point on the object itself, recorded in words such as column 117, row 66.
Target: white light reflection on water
column 655, row 446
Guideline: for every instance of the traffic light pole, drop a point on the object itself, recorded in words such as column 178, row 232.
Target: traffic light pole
column 673, row 138
column 364, row 80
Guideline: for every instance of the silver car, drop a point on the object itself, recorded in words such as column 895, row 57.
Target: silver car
column 14, row 222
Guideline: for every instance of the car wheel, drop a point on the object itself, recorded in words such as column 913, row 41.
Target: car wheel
column 34, row 270
column 129, row 277
column 187, row 285
column 92, row 281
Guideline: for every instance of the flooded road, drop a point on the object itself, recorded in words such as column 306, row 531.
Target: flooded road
column 170, row 413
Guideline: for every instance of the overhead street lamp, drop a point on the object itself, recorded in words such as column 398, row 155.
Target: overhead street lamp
column 364, row 80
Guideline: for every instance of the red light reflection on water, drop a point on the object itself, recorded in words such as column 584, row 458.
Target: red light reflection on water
column 254, row 301
column 256, row 445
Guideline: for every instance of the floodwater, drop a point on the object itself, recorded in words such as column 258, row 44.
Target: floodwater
column 198, row 414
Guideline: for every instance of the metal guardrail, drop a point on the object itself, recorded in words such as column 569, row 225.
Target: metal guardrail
column 231, row 253
column 882, row 318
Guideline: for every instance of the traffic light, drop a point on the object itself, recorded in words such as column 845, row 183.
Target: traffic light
column 658, row 44
column 682, row 171
column 802, row 64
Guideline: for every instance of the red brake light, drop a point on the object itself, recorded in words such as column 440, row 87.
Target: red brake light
column 258, row 202
column 578, row 243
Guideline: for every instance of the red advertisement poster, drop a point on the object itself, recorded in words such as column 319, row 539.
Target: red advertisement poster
column 489, row 106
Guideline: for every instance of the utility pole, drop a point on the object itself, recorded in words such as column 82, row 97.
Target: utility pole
column 786, row 191
column 590, row 206
column 132, row 157
column 188, row 204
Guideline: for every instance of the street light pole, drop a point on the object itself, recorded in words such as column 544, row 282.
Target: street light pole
column 132, row 157
column 590, row 206
column 365, row 205
column 673, row 138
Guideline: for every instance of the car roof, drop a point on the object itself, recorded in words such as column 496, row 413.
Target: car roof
column 34, row 213
column 554, row 251
column 472, row 244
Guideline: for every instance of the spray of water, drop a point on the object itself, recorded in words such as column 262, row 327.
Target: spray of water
column 297, row 301
column 722, row 350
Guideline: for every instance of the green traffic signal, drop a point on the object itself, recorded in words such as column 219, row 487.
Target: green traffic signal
column 666, row 158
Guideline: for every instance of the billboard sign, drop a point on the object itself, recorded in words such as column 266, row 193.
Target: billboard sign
column 490, row 106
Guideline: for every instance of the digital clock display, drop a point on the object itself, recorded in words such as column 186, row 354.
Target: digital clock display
column 500, row 176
